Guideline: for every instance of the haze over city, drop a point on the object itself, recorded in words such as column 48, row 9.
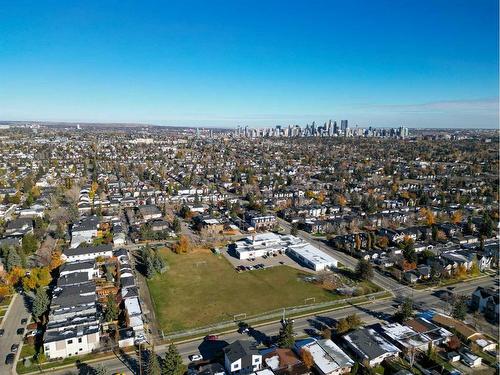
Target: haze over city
column 383, row 63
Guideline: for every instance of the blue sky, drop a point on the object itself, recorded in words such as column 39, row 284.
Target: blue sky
column 426, row 63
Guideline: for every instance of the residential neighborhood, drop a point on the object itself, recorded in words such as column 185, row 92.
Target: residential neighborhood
column 329, row 260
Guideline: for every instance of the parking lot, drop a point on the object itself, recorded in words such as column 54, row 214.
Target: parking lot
column 261, row 262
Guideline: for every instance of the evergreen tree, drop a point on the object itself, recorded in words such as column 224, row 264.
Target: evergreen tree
column 286, row 337
column 158, row 262
column 172, row 364
column 295, row 229
column 406, row 310
column 364, row 270
column 111, row 309
column 40, row 303
column 152, row 364
column 460, row 308
column 409, row 252
column 13, row 259
column 176, row 225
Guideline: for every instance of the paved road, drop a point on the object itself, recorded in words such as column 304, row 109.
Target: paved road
column 369, row 313
column 11, row 322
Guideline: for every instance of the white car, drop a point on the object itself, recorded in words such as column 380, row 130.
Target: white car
column 195, row 357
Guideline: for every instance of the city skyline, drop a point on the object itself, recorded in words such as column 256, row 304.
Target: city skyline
column 378, row 64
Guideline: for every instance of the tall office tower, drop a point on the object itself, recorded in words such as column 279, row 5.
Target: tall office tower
column 343, row 125
column 335, row 127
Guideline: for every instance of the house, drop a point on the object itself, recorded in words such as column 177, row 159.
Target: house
column 283, row 361
column 19, row 227
column 84, row 231
column 73, row 325
column 260, row 221
column 405, row 337
column 370, row 346
column 485, row 300
column 87, row 267
column 462, row 329
column 470, row 359
column 149, row 212
column 329, row 359
column 211, row 369
column 436, row 334
column 241, row 357
column 87, row 253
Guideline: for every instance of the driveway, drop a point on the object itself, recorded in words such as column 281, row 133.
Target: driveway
column 10, row 324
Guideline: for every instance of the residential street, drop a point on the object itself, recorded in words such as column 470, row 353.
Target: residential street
column 369, row 313
column 10, row 324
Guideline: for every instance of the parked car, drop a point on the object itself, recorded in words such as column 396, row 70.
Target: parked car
column 195, row 357
column 14, row 348
column 9, row 359
column 20, row 331
column 211, row 337
column 2, row 331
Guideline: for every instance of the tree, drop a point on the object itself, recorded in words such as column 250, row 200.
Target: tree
column 294, row 230
column 487, row 225
column 383, row 242
column 409, row 252
column 111, row 309
column 176, row 225
column 185, row 212
column 406, row 310
column 152, row 365
column 459, row 310
column 307, row 358
column 29, row 243
column 158, row 262
column 55, row 260
column 172, row 364
column 354, row 321
column 456, row 217
column 364, row 270
column 60, row 231
column 454, row 343
column 149, row 267
column 342, row 326
column 182, row 246
column 40, row 303
column 474, row 268
column 286, row 337
column 13, row 259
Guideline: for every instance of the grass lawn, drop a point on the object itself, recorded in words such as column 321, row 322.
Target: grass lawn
column 192, row 294
column 28, row 350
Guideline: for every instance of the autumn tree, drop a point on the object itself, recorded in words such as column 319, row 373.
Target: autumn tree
column 456, row 217
column 307, row 358
column 182, row 246
column 383, row 242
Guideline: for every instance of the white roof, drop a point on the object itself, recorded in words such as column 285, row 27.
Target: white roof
column 328, row 357
column 312, row 254
column 133, row 307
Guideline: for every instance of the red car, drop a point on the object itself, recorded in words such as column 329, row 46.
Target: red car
column 211, row 337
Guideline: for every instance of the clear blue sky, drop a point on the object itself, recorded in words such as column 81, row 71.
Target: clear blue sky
column 258, row 63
